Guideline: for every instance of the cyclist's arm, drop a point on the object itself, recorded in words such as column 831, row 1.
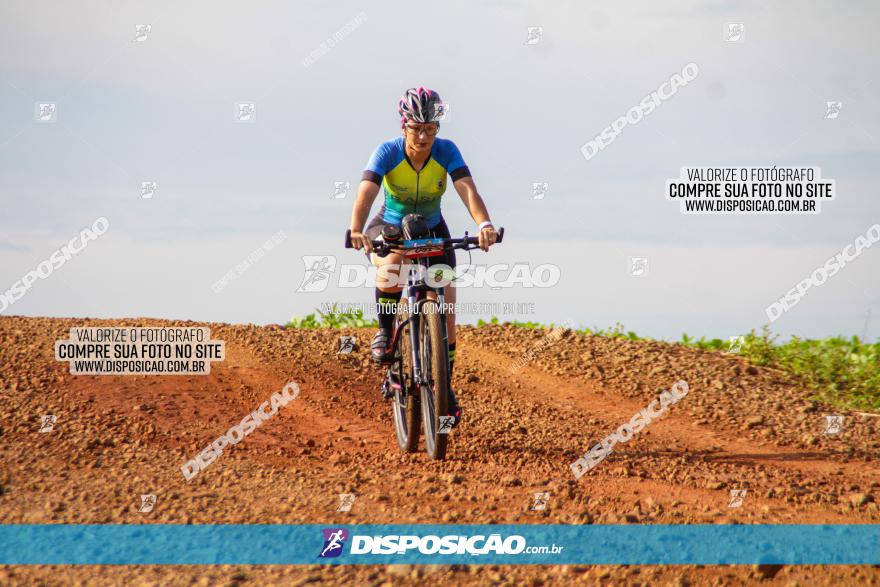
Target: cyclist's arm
column 367, row 191
column 467, row 190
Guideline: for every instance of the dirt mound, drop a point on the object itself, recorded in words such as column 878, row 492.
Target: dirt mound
column 532, row 406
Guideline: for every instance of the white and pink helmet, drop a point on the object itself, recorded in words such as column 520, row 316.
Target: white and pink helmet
column 420, row 105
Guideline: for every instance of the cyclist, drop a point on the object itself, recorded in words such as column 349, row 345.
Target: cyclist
column 412, row 170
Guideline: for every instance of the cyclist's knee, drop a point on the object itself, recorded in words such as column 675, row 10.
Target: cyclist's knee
column 389, row 259
column 388, row 274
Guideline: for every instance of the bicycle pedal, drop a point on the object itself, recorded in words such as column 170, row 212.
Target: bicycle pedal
column 387, row 391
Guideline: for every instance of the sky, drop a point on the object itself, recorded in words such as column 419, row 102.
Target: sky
column 164, row 109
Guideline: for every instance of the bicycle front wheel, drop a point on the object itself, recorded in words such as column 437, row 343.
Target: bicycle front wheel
column 405, row 403
column 435, row 370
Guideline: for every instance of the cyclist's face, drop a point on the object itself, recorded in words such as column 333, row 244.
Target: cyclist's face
column 420, row 137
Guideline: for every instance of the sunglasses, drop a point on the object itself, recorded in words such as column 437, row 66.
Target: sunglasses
column 428, row 129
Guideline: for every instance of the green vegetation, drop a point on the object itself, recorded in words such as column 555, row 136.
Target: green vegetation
column 333, row 319
column 517, row 323
column 843, row 372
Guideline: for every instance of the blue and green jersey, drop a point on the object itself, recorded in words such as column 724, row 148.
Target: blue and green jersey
column 408, row 191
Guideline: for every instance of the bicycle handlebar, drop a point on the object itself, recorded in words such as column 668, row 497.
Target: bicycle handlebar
column 380, row 246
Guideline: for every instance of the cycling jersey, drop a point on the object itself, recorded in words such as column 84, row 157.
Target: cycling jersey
column 408, row 191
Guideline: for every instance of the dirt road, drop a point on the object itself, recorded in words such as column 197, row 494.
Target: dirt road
column 117, row 437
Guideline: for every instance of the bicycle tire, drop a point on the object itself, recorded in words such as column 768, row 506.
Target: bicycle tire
column 405, row 404
column 434, row 395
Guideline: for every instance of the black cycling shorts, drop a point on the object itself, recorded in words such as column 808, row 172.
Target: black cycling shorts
column 440, row 230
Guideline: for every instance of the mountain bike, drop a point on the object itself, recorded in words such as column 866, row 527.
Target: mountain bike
column 418, row 374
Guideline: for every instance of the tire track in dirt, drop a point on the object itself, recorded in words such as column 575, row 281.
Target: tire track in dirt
column 674, row 427
column 666, row 439
column 118, row 437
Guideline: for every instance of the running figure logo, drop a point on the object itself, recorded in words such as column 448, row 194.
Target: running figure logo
column 245, row 112
column 534, row 35
column 346, row 500
column 638, row 266
column 141, row 31
column 735, row 344
column 446, row 423
column 539, row 189
column 346, row 345
column 46, row 112
column 318, row 270
column 148, row 501
column 736, row 498
column 334, row 540
column 833, row 424
column 539, row 501
column 340, row 189
column 48, row 423
column 833, row 109
column 148, row 189
column 734, row 32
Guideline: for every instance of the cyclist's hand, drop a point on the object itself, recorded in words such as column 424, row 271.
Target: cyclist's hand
column 487, row 237
column 360, row 241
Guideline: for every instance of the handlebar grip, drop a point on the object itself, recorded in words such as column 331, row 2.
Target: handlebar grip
column 348, row 239
column 500, row 235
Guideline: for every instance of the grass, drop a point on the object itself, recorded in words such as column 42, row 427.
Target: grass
column 840, row 371
column 333, row 319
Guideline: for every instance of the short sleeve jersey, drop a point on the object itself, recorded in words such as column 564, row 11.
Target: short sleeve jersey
column 408, row 191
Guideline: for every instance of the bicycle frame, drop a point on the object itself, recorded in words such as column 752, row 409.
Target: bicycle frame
column 415, row 288
column 417, row 399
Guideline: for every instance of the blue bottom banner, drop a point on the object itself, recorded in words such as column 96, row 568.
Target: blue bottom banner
column 165, row 544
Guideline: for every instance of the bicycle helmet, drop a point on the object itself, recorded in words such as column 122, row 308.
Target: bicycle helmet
column 420, row 105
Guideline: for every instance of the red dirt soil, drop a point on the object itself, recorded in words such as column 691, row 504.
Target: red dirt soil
column 117, row 437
